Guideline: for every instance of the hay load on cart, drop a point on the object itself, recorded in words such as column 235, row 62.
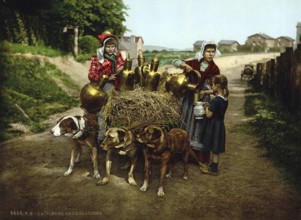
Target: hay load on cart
column 145, row 96
column 142, row 107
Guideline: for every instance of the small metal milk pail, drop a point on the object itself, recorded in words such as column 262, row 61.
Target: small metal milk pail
column 198, row 110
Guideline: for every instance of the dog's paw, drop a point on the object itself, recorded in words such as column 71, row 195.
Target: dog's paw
column 96, row 175
column 143, row 188
column 103, row 181
column 185, row 177
column 132, row 181
column 68, row 173
column 160, row 191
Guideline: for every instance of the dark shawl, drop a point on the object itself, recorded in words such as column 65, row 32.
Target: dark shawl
column 210, row 71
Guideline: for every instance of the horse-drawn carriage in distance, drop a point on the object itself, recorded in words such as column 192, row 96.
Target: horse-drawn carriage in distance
column 248, row 72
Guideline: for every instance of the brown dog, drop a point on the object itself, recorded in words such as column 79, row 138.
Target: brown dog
column 83, row 131
column 121, row 141
column 160, row 145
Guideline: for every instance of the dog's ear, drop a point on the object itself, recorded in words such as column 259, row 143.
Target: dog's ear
column 121, row 134
column 112, row 132
column 70, row 123
column 157, row 133
column 158, row 139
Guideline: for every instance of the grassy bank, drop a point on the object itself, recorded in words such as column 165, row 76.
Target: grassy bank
column 29, row 93
column 279, row 132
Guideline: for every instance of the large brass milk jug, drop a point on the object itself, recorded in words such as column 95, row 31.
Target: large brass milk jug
column 93, row 97
column 127, row 77
column 150, row 75
column 139, row 79
column 183, row 83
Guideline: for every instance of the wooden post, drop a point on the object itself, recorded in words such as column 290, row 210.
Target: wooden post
column 75, row 38
column 282, row 77
column 296, row 79
column 259, row 67
column 287, row 92
column 272, row 78
column 265, row 79
column 75, row 48
column 277, row 78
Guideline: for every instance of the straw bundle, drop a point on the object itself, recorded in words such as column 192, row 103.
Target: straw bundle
column 139, row 106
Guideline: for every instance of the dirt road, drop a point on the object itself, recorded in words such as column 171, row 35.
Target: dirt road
column 32, row 185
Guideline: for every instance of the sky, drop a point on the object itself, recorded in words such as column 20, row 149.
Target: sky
column 179, row 24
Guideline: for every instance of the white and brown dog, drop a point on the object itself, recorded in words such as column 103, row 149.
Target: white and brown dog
column 160, row 145
column 83, row 131
column 122, row 142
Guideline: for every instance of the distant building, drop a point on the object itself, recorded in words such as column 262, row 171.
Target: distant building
column 229, row 45
column 269, row 42
column 261, row 40
column 131, row 45
column 197, row 45
column 284, row 41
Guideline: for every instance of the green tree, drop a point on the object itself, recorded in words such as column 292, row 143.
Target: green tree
column 44, row 20
column 93, row 16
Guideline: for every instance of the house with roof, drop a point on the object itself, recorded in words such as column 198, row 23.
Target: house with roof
column 228, row 45
column 284, row 41
column 131, row 45
column 197, row 45
column 261, row 39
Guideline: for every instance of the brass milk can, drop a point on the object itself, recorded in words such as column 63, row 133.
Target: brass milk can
column 150, row 75
column 183, row 83
column 127, row 77
column 139, row 79
column 93, row 97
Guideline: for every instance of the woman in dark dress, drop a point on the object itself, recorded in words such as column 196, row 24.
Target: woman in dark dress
column 203, row 62
column 213, row 136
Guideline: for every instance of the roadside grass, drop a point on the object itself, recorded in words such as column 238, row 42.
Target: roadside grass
column 29, row 93
column 36, row 49
column 279, row 132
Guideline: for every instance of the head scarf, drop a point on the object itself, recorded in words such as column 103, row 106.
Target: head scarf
column 199, row 55
column 103, row 38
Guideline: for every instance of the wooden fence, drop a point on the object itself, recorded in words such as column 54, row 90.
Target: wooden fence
column 281, row 77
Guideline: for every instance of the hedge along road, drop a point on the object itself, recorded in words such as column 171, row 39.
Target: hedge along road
column 249, row 186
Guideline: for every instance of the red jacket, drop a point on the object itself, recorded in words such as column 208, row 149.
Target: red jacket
column 98, row 69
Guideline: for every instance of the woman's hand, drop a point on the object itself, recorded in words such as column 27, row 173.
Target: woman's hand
column 208, row 113
column 112, row 77
column 202, row 93
column 206, row 105
column 205, row 92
